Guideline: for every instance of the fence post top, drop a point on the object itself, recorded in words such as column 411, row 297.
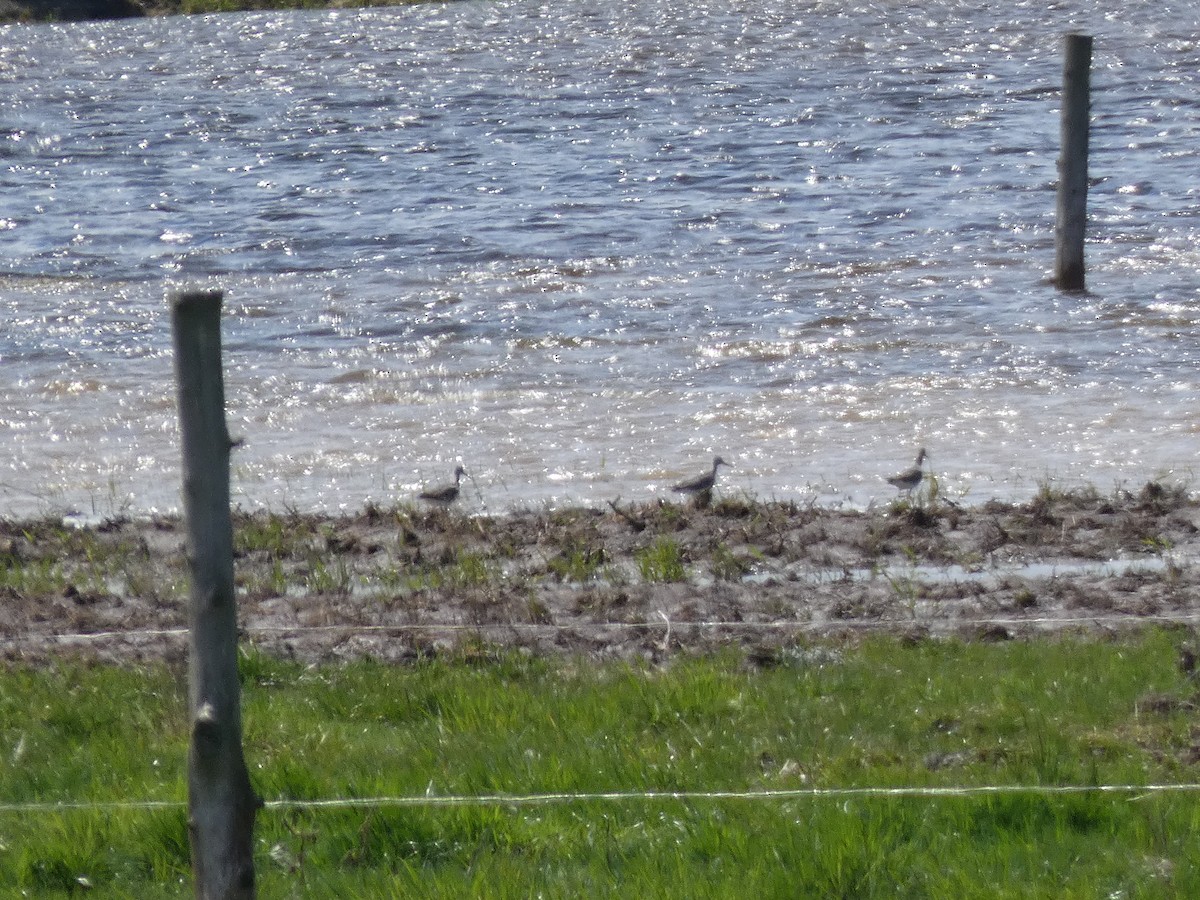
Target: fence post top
column 185, row 300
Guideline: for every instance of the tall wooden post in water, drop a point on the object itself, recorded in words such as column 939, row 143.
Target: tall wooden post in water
column 1071, row 217
column 221, row 802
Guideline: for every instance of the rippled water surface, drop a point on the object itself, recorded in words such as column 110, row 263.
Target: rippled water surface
column 581, row 247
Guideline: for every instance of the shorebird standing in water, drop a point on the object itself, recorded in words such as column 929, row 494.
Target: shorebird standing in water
column 445, row 494
column 701, row 486
column 908, row 480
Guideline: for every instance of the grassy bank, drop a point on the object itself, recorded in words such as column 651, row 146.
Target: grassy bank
column 879, row 713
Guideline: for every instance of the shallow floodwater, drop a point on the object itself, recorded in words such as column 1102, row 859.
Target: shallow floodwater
column 581, row 247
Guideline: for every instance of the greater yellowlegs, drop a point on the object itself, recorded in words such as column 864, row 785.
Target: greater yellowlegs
column 445, row 494
column 702, row 484
column 908, row 480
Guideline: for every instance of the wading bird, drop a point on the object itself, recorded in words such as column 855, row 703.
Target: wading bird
column 908, row 480
column 701, row 486
column 445, row 494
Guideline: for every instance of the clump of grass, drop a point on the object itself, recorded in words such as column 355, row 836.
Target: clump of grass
column 578, row 563
column 469, row 570
column 328, row 578
column 1048, row 496
column 43, row 558
column 538, row 612
column 286, row 536
column 662, row 561
column 726, row 565
column 1158, row 498
column 669, row 515
column 33, row 577
column 735, row 507
column 1156, row 543
column 458, row 568
column 390, row 577
column 1025, row 598
column 277, row 581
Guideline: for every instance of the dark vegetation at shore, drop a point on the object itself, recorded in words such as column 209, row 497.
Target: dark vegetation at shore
column 32, row 11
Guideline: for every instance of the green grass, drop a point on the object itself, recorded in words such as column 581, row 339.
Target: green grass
column 45, row 560
column 661, row 561
column 577, row 563
column 881, row 713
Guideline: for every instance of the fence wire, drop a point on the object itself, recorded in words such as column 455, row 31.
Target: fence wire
column 1135, row 791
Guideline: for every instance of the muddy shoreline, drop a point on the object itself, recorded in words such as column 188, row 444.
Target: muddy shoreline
column 643, row 581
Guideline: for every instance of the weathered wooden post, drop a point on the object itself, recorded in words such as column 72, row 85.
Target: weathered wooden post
column 1071, row 221
column 221, row 802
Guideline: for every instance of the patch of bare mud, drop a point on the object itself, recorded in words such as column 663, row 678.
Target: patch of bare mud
column 640, row 581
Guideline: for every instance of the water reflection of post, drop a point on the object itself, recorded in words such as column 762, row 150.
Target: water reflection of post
column 1073, row 164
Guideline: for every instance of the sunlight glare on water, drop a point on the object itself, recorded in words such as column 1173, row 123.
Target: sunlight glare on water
column 582, row 249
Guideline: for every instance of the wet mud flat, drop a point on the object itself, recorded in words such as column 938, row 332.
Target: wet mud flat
column 624, row 581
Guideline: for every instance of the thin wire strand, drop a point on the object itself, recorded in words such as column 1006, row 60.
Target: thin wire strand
column 628, row 797
column 690, row 796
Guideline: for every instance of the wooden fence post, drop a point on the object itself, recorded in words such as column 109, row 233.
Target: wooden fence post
column 1071, row 219
column 221, row 801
